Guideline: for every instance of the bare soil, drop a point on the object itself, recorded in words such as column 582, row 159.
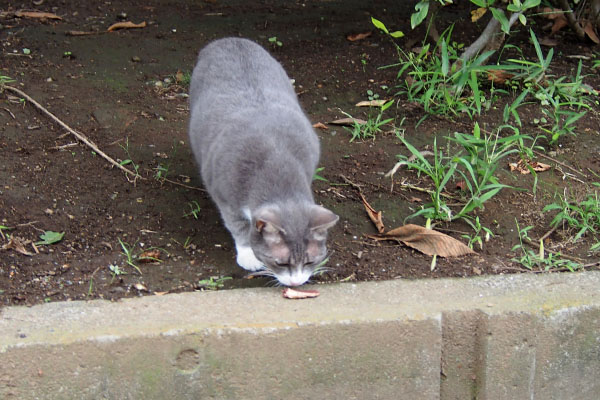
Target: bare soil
column 105, row 86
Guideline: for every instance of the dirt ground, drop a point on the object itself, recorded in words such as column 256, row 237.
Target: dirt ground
column 121, row 89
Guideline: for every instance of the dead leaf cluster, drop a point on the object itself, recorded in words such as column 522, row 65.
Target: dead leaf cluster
column 427, row 241
column 523, row 166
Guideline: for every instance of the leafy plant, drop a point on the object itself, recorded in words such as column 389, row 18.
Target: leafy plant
column 50, row 237
column 317, row 177
column 213, row 282
column 4, row 80
column 479, row 229
column 372, row 126
column 2, row 229
column 194, row 209
column 530, row 259
column 440, row 172
column 479, row 165
column 128, row 251
column 129, row 160
column 431, row 78
column 115, row 271
column 273, row 40
column 582, row 216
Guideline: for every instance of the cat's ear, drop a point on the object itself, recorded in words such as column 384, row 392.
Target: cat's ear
column 267, row 221
column 321, row 219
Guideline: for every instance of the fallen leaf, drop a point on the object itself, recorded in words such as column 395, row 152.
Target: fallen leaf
column 149, row 256
column 415, row 199
column 160, row 293
column 17, row 245
column 348, row 121
column 427, row 241
column 296, row 294
column 374, row 215
column 179, row 76
column 478, row 13
column 36, row 14
column 559, row 23
column 499, row 76
column 320, row 125
column 371, row 103
column 461, row 185
column 140, row 287
column 358, row 36
column 588, row 28
column 125, row 25
column 552, row 13
column 521, row 166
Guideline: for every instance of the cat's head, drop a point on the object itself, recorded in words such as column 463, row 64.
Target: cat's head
column 291, row 240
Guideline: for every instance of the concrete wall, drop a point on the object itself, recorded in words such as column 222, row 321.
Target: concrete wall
column 505, row 337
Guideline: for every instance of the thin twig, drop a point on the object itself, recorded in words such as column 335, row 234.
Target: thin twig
column 560, row 163
column 354, row 185
column 78, row 135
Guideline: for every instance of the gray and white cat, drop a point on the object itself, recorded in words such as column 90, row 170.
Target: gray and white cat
column 257, row 154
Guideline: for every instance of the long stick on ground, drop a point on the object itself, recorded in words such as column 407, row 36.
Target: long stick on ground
column 78, row 135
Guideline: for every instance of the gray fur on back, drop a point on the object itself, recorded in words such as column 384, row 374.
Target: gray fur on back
column 250, row 136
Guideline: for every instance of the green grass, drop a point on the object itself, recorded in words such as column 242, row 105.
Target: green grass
column 213, row 282
column 373, row 124
column 580, row 216
column 194, row 209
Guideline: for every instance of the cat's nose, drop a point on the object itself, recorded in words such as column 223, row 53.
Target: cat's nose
column 296, row 282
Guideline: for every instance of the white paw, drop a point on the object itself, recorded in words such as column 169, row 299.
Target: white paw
column 247, row 260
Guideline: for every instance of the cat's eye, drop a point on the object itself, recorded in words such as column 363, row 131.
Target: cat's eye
column 282, row 264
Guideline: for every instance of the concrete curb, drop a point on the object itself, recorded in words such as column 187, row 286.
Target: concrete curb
column 502, row 337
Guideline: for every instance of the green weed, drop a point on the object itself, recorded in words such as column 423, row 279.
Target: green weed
column 372, row 125
column 318, row 177
column 194, row 209
column 274, row 42
column 476, row 237
column 213, row 282
column 50, row 237
column 530, row 259
column 130, row 256
column 581, row 216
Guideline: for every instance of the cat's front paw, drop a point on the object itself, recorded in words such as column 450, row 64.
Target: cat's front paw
column 247, row 260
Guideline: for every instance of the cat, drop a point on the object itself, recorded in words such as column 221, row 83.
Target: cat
column 257, row 153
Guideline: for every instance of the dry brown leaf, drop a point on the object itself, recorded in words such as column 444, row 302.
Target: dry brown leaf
column 552, row 13
column 140, row 287
column 125, row 25
column 348, row 121
column 17, row 245
column 499, row 76
column 521, row 166
column 371, row 103
column 36, row 14
column 478, row 13
column 320, row 125
column 588, row 28
column 427, row 241
column 149, row 256
column 374, row 215
column 353, row 37
column 296, row 294
column 559, row 23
